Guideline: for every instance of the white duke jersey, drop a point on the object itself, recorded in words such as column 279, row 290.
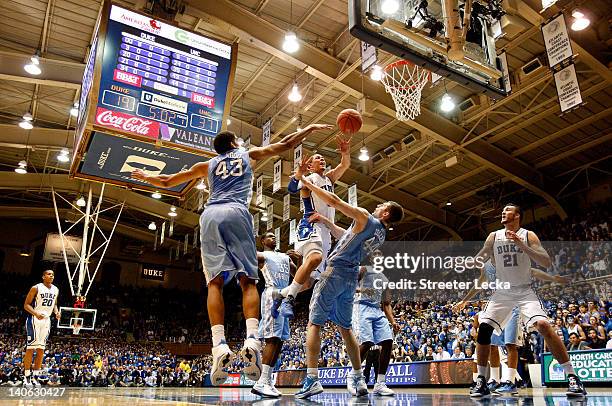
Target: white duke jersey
column 45, row 299
column 316, row 203
column 512, row 265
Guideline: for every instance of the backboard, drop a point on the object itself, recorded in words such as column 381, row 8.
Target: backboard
column 77, row 318
column 438, row 35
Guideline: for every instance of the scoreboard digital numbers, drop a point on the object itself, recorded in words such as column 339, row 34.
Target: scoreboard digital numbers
column 161, row 82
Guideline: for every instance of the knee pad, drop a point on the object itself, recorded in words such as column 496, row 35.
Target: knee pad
column 485, row 331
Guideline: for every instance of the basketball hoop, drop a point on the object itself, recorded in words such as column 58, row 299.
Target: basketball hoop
column 404, row 81
column 76, row 328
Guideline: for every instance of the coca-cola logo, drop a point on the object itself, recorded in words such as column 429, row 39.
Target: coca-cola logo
column 126, row 122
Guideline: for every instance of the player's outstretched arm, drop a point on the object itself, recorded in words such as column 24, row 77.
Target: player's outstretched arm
column 543, row 276
column 286, row 143
column 359, row 215
column 335, row 230
column 197, row 171
column 471, row 293
column 344, row 147
column 28, row 302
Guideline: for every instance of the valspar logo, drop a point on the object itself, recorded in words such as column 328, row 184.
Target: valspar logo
column 127, row 78
column 127, row 122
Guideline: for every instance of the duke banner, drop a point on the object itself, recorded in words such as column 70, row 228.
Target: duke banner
column 153, row 272
column 590, row 366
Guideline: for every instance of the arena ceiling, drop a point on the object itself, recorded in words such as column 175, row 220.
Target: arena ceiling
column 519, row 143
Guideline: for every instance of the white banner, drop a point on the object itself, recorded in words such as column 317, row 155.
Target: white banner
column 368, row 56
column 259, row 191
column 267, row 128
column 278, row 171
column 163, row 233
column 195, row 236
column 503, row 59
column 270, row 210
column 247, row 143
column 292, row 232
column 286, row 207
column 297, row 156
column 352, row 195
column 277, row 235
column 256, row 224
column 186, row 244
column 54, row 252
column 568, row 88
column 171, row 228
column 556, row 41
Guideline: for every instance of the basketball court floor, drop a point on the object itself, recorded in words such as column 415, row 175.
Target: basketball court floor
column 243, row 396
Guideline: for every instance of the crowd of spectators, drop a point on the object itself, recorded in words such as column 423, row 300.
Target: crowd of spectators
column 126, row 347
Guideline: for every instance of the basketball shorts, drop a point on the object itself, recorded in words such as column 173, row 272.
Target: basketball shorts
column 270, row 327
column 227, row 242
column 332, row 298
column 370, row 324
column 311, row 238
column 37, row 332
column 512, row 333
column 498, row 311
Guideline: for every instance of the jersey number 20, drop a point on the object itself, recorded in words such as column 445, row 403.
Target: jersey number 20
column 47, row 302
column 235, row 171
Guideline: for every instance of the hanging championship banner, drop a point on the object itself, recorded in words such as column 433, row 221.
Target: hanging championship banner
column 155, row 242
column 568, row 88
column 186, row 244
column 286, row 207
column 301, row 205
column 256, row 224
column 247, row 143
column 270, row 210
column 178, row 251
column 171, row 228
column 163, row 232
column 259, row 192
column 267, row 127
column 201, row 200
column 278, row 169
column 352, row 195
column 503, row 59
column 277, row 236
column 292, row 232
column 297, row 156
column 368, row 56
column 153, row 272
column 556, row 41
column 195, row 237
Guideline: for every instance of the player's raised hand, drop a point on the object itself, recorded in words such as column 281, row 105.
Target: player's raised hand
column 511, row 235
column 344, row 145
column 314, row 218
column 302, row 167
column 319, row 127
column 139, row 175
column 457, row 307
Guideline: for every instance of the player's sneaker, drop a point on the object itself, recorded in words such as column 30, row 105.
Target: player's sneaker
column 27, row 382
column 278, row 393
column 381, row 389
column 264, row 389
column 250, row 355
column 361, row 389
column 286, row 307
column 480, row 388
column 222, row 357
column 506, row 388
column 350, row 383
column 311, row 387
column 492, row 385
column 575, row 387
column 35, row 382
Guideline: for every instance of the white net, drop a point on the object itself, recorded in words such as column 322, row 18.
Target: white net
column 404, row 82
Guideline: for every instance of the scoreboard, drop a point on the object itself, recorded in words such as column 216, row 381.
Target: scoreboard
column 162, row 90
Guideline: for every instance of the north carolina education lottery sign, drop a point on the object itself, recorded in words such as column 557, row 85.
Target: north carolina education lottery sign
column 161, row 82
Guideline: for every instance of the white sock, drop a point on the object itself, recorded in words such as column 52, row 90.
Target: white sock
column 495, row 373
column 36, row 372
column 512, row 374
column 312, row 372
column 292, row 290
column 252, row 325
column 380, row 378
column 474, row 376
column 218, row 334
column 357, row 372
column 266, row 371
column 27, row 373
column 482, row 370
column 568, row 368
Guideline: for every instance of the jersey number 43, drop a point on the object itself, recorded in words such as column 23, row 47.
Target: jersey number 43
column 233, row 169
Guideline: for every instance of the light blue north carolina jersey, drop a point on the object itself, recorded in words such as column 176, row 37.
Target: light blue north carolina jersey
column 371, row 288
column 352, row 248
column 230, row 178
column 276, row 269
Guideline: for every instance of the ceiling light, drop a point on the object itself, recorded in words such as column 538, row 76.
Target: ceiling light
column 22, row 167
column 376, row 73
column 294, row 95
column 390, row 228
column 63, row 155
column 580, row 21
column 74, row 111
column 172, row 212
column 152, row 226
column 24, row 252
column 33, row 67
column 201, row 185
column 291, row 44
column 228, row 121
column 447, row 103
column 156, row 195
column 26, row 123
column 81, row 201
column 363, row 154
column 389, row 6
column 448, row 203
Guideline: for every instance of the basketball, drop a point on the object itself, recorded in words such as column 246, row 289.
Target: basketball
column 349, row 121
